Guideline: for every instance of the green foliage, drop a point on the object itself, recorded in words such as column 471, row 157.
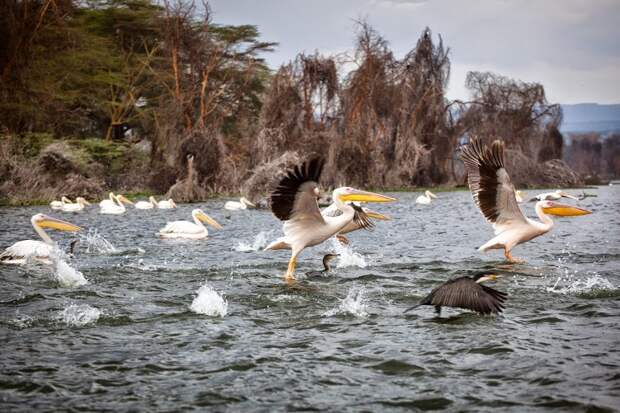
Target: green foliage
column 100, row 150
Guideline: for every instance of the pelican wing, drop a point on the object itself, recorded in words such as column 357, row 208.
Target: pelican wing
column 490, row 184
column 294, row 198
column 361, row 219
column 182, row 227
column 466, row 293
column 27, row 248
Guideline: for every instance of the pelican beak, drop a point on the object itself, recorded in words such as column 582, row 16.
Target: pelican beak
column 432, row 195
column 206, row 218
column 489, row 277
column 357, row 195
column 565, row 210
column 174, row 205
column 565, row 195
column 49, row 222
column 125, row 200
column 377, row 215
column 250, row 203
column 86, row 202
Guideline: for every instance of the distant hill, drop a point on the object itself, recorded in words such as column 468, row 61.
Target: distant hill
column 590, row 117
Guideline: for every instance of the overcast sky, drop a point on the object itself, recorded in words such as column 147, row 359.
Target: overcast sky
column 571, row 46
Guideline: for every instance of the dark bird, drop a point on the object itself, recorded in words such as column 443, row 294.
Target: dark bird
column 468, row 293
column 326, row 267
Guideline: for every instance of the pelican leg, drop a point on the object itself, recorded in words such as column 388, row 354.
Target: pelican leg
column 290, row 272
column 342, row 239
column 511, row 259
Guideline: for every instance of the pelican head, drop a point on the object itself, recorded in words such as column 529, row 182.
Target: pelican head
column 429, row 194
column 66, row 200
column 247, row 202
column 44, row 221
column 562, row 210
column 480, row 278
column 121, row 198
column 174, row 205
column 152, row 200
column 201, row 216
column 82, row 201
column 345, row 194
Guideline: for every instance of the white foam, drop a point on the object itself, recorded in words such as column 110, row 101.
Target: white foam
column 96, row 243
column 569, row 285
column 259, row 242
column 347, row 257
column 209, row 302
column 80, row 315
column 354, row 304
column 66, row 275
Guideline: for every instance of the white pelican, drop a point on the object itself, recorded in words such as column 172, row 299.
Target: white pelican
column 169, row 204
column 360, row 219
column 189, row 230
column 19, row 252
column 150, row 204
column 118, row 207
column 56, row 205
column 553, row 196
column 108, row 202
column 519, row 196
column 494, row 194
column 426, row 198
column 294, row 201
column 79, row 205
column 243, row 203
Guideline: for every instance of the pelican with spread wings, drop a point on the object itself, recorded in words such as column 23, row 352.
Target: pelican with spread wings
column 494, row 194
column 294, row 201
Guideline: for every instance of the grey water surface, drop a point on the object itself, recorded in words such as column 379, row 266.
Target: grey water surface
column 128, row 340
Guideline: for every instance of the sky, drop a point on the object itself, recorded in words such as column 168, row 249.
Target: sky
column 572, row 47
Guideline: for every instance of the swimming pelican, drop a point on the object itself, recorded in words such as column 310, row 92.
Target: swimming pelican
column 189, row 230
column 360, row 219
column 294, row 201
column 468, row 293
column 150, row 204
column 494, row 194
column 117, row 208
column 243, row 203
column 326, row 266
column 108, row 202
column 426, row 198
column 80, row 204
column 19, row 252
column 169, row 204
column 553, row 196
column 56, row 205
column 519, row 196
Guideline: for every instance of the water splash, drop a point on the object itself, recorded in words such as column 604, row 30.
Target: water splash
column 96, row 243
column 260, row 241
column 354, row 304
column 209, row 302
column 79, row 315
column 64, row 273
column 347, row 257
column 569, row 285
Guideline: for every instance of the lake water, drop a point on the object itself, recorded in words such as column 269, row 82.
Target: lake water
column 134, row 323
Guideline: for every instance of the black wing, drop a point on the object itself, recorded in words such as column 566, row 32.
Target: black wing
column 361, row 219
column 294, row 191
column 465, row 293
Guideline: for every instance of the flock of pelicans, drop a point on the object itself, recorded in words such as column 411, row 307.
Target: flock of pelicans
column 295, row 202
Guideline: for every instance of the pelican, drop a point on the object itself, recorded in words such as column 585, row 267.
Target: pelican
column 189, row 230
column 150, row 204
column 294, row 201
column 494, row 195
column 468, row 293
column 56, row 205
column 169, row 204
column 108, row 202
column 519, row 196
column 19, row 252
column 243, row 203
column 80, row 204
column 553, row 196
column 360, row 219
column 326, row 266
column 117, row 208
column 426, row 198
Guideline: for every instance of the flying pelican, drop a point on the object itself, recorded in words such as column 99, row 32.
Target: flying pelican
column 468, row 293
column 117, row 208
column 494, row 194
column 294, row 201
column 243, row 203
column 189, row 230
column 553, row 196
column 150, row 204
column 169, row 204
column 56, row 205
column 360, row 219
column 19, row 252
column 80, row 204
column 326, row 267
column 426, row 198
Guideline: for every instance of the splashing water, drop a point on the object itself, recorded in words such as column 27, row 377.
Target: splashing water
column 66, row 275
column 96, row 243
column 79, row 315
column 354, row 304
column 578, row 286
column 209, row 302
column 347, row 257
column 260, row 242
